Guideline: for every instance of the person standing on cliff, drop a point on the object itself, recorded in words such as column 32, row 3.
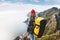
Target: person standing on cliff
column 31, row 23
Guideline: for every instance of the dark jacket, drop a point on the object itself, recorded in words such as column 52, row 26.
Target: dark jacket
column 31, row 25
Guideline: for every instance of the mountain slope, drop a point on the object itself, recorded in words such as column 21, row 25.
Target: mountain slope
column 53, row 24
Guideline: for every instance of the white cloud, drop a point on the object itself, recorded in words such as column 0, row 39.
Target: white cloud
column 47, row 0
column 54, row 1
column 2, row 0
column 35, row 0
column 11, row 16
column 57, row 1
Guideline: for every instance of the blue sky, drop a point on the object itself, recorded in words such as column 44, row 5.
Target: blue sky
column 41, row 2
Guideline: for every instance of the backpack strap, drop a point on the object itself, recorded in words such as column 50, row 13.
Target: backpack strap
column 37, row 25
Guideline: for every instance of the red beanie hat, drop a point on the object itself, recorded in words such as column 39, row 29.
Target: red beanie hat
column 33, row 11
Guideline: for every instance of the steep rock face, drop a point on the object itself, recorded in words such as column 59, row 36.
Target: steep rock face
column 58, row 20
column 50, row 16
column 52, row 29
column 51, row 25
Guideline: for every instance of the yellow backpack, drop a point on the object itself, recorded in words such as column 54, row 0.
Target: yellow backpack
column 37, row 28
